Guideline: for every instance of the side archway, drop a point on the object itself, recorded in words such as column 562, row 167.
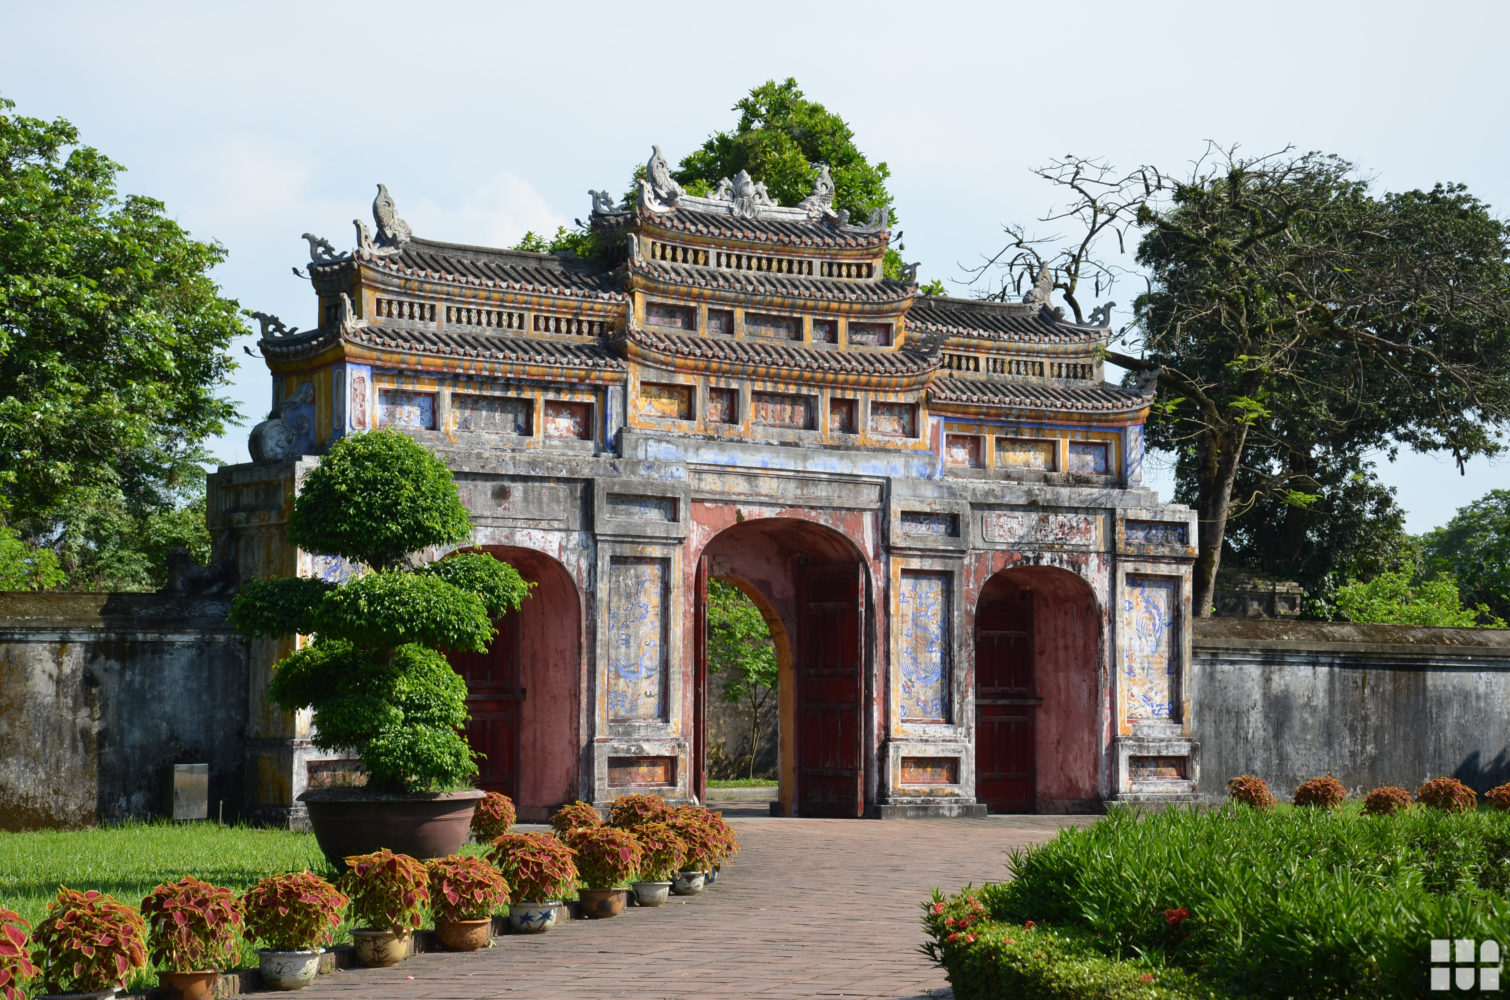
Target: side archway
column 1037, row 678
column 524, row 693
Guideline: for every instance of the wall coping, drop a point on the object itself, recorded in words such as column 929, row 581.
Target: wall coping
column 1349, row 637
column 27, row 611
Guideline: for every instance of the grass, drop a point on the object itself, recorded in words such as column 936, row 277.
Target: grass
column 742, row 783
column 127, row 861
column 1298, row 902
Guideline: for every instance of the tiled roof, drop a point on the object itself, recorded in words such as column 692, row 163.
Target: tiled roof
column 488, row 347
column 770, row 354
column 823, row 232
column 513, row 270
column 994, row 321
column 762, row 283
column 1026, row 394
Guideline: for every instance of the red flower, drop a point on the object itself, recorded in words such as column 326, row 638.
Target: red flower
column 1147, row 977
column 1030, row 924
column 1173, row 917
column 936, row 909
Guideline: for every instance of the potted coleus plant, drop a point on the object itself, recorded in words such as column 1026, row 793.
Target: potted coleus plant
column 374, row 673
column 464, row 892
column 573, row 815
column 663, row 852
column 701, row 842
column 388, row 895
column 16, row 966
column 629, row 811
column 495, row 814
column 541, row 870
column 89, row 943
column 294, row 915
column 607, row 858
column 193, row 928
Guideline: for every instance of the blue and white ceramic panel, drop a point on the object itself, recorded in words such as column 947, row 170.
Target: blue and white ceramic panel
column 923, row 621
column 1151, row 651
column 636, row 639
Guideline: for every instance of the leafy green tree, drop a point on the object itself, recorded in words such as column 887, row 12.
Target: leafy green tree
column 113, row 348
column 1390, row 599
column 741, row 650
column 26, row 567
column 1474, row 548
column 374, row 673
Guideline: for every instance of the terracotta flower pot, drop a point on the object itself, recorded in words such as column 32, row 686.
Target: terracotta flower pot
column 602, row 903
column 352, row 821
column 288, row 970
column 531, row 917
column 378, row 949
column 651, row 893
column 463, row 935
column 188, row 985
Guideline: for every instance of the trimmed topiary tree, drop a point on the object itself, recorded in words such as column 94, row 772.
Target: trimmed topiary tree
column 1326, row 792
column 373, row 672
column 1448, row 795
column 1251, row 791
column 1386, row 801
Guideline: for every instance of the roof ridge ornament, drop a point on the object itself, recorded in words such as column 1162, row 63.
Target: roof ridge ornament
column 1102, row 315
column 603, row 203
column 659, row 191
column 1043, row 287
column 392, row 231
column 821, row 202
column 272, row 326
column 320, row 250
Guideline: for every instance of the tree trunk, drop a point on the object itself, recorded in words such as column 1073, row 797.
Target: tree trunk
column 1221, row 454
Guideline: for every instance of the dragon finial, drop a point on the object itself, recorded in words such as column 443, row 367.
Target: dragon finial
column 392, row 231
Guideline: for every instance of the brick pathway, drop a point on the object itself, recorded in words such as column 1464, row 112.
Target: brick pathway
column 809, row 908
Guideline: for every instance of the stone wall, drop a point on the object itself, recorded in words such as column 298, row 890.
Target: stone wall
column 100, row 694
column 1371, row 704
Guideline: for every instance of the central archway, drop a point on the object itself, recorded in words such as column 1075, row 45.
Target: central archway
column 810, row 582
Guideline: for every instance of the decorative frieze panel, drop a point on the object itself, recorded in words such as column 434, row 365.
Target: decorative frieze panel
column 723, row 405
column 929, row 771
column 721, row 322
column 564, row 419
column 964, row 451
column 637, row 639
column 1027, row 454
column 641, row 772
column 660, row 401
column 759, row 324
column 841, row 415
column 402, row 408
column 493, row 414
column 1156, row 533
column 1090, row 458
column 1151, row 648
column 668, row 315
column 1013, row 527
column 924, row 632
column 894, row 419
column 869, row 334
column 925, row 522
column 825, row 331
column 359, row 394
column 774, row 409
column 641, row 507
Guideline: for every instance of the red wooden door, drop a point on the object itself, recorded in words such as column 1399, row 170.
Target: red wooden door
column 493, row 696
column 1005, row 701
column 700, row 684
column 829, row 672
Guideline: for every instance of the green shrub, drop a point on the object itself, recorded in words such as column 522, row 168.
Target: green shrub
column 1327, row 792
column 1448, row 795
column 1386, row 801
column 373, row 673
column 1251, row 791
column 1301, row 902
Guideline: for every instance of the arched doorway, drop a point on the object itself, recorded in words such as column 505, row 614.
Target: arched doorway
column 812, row 580
column 523, row 693
column 1037, row 675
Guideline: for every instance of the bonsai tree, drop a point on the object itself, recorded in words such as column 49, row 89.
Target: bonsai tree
column 607, row 857
column 89, row 942
column 191, row 925
column 373, row 672
column 296, row 911
column 463, row 887
column 493, row 817
column 664, row 851
column 15, row 960
column 537, row 865
column 388, row 891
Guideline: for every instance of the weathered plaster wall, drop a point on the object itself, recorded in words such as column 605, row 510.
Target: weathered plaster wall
column 1371, row 704
column 101, row 693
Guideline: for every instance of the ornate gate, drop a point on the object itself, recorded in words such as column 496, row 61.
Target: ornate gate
column 1006, row 701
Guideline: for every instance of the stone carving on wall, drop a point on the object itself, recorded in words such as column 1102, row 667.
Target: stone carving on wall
column 276, row 438
column 923, row 626
column 1042, row 529
column 392, row 231
column 636, row 639
column 1151, row 665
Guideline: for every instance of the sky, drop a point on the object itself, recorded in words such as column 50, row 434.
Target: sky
column 256, row 123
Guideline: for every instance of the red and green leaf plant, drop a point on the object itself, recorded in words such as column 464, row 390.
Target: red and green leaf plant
column 573, row 815
column 493, row 817
column 16, row 966
column 293, row 911
column 607, row 857
column 1251, row 791
column 701, row 839
column 664, row 852
column 88, row 942
column 538, row 866
column 1326, row 792
column 1499, row 797
column 1386, row 801
column 192, row 926
column 630, row 811
column 463, row 887
column 388, row 891
column 1448, row 795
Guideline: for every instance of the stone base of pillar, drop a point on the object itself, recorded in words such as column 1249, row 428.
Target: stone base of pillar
column 940, row 809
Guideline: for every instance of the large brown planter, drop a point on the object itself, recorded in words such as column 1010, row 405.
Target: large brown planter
column 349, row 821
